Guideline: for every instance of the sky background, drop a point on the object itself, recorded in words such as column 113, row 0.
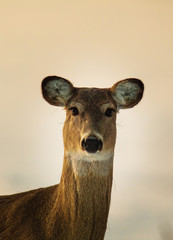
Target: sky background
column 91, row 43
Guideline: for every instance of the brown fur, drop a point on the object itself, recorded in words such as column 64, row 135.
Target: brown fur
column 77, row 208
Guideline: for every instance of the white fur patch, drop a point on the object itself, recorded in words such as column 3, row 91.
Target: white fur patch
column 89, row 133
column 84, row 163
column 90, row 157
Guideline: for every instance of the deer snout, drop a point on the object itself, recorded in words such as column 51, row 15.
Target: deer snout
column 91, row 144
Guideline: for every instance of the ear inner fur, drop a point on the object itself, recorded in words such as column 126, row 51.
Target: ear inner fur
column 127, row 93
column 56, row 90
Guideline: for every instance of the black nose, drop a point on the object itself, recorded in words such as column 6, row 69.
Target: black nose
column 92, row 144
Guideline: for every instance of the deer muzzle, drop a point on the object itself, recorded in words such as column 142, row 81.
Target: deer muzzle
column 92, row 144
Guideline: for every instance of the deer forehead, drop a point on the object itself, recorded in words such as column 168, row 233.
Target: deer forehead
column 92, row 97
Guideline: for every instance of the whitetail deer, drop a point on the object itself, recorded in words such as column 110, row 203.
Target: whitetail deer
column 77, row 208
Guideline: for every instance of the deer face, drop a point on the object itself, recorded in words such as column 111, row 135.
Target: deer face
column 90, row 125
column 91, row 118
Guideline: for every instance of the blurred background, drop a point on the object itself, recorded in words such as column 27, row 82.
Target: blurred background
column 91, row 43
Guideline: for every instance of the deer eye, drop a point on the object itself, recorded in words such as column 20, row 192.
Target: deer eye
column 74, row 111
column 109, row 112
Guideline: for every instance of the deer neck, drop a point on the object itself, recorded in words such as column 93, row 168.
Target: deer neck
column 85, row 190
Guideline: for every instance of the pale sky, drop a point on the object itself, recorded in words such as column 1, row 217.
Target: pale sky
column 91, row 43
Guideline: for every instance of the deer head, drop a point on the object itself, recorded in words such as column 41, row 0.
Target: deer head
column 90, row 125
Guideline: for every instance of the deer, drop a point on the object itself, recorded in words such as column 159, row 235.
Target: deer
column 77, row 208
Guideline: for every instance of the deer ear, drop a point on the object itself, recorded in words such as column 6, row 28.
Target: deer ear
column 127, row 93
column 56, row 90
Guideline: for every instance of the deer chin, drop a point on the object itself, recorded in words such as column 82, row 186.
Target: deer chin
column 85, row 156
column 84, row 163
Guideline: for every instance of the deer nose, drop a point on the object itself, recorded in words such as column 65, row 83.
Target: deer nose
column 92, row 144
